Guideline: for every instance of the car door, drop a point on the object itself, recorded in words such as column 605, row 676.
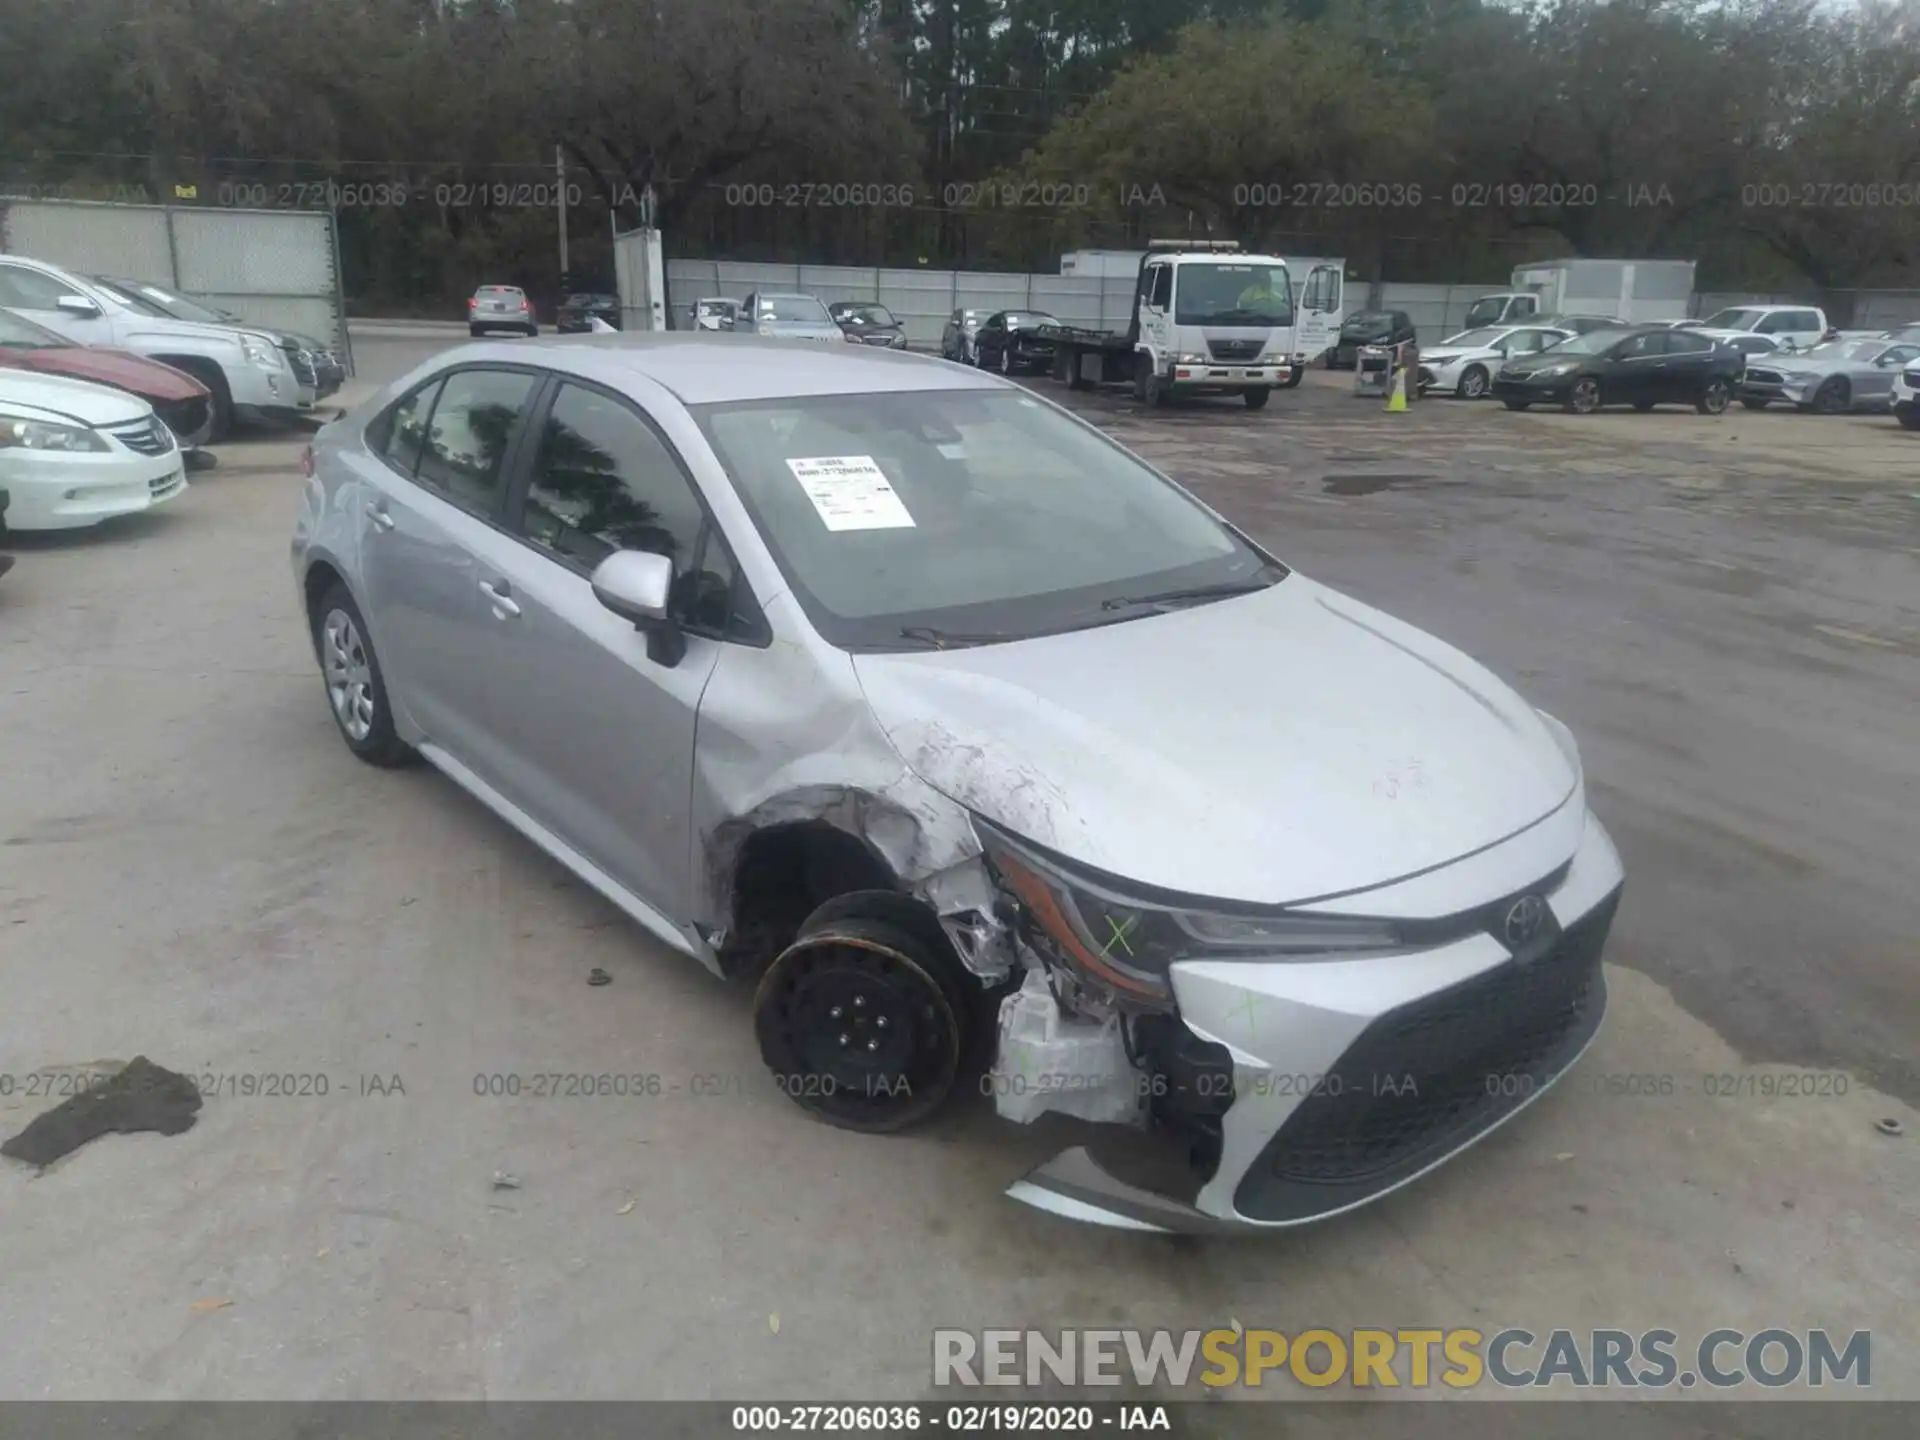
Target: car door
column 1875, row 382
column 988, row 340
column 1319, row 311
column 596, row 735
column 428, row 500
column 53, row 303
column 1634, row 371
column 1688, row 359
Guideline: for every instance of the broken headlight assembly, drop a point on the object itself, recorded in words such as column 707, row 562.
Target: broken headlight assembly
column 1128, row 944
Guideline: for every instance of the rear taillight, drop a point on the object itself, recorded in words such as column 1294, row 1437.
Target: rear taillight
column 473, row 302
column 306, row 461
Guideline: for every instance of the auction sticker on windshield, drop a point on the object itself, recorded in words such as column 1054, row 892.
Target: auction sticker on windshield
column 851, row 493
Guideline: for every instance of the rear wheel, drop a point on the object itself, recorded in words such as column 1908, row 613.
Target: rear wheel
column 1832, row 397
column 356, row 688
column 1257, row 399
column 1715, row 398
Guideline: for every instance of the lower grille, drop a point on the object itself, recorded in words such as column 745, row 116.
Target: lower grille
column 1765, row 377
column 879, row 340
column 165, row 485
column 143, row 437
column 182, row 417
column 1422, row 1080
column 1235, row 349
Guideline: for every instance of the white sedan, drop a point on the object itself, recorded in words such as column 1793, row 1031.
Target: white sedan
column 1463, row 364
column 73, row 453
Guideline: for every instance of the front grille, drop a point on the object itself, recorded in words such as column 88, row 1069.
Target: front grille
column 879, row 340
column 1422, row 1080
column 144, row 437
column 182, row 417
column 1235, row 349
column 301, row 364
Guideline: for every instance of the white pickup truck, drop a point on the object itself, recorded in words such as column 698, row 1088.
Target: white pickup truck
column 245, row 369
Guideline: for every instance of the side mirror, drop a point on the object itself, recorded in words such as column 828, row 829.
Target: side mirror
column 77, row 306
column 637, row 585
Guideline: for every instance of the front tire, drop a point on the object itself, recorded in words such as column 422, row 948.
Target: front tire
column 1474, row 383
column 1715, row 398
column 356, row 687
column 1832, row 398
column 1909, row 419
column 1584, row 398
column 1006, row 361
column 1643, row 406
column 1753, row 404
column 1257, row 399
column 1513, row 404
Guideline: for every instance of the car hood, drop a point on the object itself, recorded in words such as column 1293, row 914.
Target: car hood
column 119, row 368
column 67, row 399
column 1445, row 354
column 1274, row 748
column 1546, row 359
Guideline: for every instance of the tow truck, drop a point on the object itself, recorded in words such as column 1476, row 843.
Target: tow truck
column 1208, row 318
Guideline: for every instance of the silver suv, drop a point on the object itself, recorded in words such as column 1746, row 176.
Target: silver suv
column 953, row 729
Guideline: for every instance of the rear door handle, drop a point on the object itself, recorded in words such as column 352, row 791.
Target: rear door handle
column 502, row 598
column 377, row 513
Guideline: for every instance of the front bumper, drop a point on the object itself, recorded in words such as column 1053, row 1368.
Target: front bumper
column 1506, row 387
column 57, row 491
column 1353, row 1077
column 1225, row 375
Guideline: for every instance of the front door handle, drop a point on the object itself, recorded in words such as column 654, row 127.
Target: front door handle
column 501, row 596
column 377, row 513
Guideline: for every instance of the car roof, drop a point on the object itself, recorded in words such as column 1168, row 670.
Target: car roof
column 785, row 295
column 702, row 367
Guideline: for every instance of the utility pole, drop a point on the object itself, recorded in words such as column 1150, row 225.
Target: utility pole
column 560, row 184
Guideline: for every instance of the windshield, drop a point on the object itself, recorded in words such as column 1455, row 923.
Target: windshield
column 1594, row 342
column 154, row 300
column 1474, row 339
column 1847, row 350
column 1731, row 320
column 18, row 334
column 1486, row 312
column 1028, row 319
column 716, row 307
column 1224, row 293
column 973, row 512
column 802, row 309
column 868, row 315
column 1367, row 322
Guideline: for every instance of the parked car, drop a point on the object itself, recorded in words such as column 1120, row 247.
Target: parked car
column 869, row 324
column 6, row 560
column 1642, row 367
column 500, row 307
column 1906, row 397
column 244, row 368
column 957, row 335
column 1799, row 326
column 1463, row 364
column 1902, row 332
column 1369, row 327
column 1838, row 376
column 73, row 453
column 314, row 365
column 182, row 402
column 713, row 313
column 787, row 315
column 577, row 312
column 1014, row 340
column 1752, row 345
column 782, row 669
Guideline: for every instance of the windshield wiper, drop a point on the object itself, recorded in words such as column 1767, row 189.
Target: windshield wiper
column 953, row 639
column 1196, row 592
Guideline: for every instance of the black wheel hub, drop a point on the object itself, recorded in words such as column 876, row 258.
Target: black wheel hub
column 858, row 1033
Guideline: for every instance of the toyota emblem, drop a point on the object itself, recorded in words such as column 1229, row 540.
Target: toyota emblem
column 1524, row 920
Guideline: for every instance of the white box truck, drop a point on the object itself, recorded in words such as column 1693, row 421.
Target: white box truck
column 1640, row 291
column 1318, row 286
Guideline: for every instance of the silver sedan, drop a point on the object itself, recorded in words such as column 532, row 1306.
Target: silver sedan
column 1829, row 379
column 806, row 657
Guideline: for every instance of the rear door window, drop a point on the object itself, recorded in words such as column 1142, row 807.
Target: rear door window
column 400, row 434
column 479, row 414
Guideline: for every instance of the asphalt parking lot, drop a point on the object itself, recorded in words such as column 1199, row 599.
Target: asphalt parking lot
column 193, row 868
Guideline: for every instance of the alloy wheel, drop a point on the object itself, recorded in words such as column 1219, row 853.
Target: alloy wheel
column 349, row 675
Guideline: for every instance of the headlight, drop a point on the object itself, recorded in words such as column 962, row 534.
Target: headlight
column 1190, row 360
column 17, row 432
column 1548, row 371
column 1129, row 944
column 850, row 337
column 261, row 351
column 763, row 329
